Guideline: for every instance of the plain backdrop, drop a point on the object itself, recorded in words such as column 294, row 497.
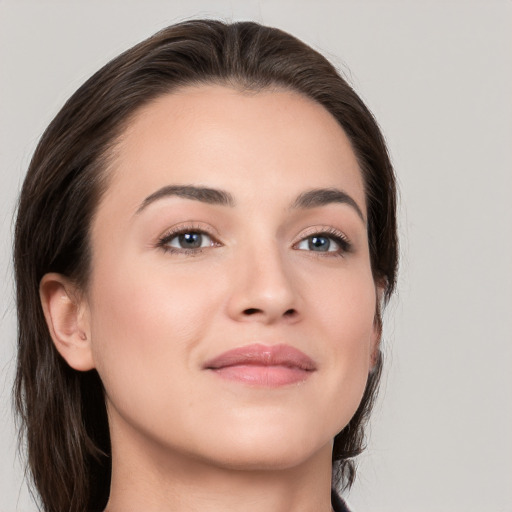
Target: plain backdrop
column 438, row 77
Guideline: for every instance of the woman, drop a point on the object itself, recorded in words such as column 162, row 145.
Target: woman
column 204, row 240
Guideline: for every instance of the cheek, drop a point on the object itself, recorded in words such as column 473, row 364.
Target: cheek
column 346, row 314
column 145, row 324
column 345, row 306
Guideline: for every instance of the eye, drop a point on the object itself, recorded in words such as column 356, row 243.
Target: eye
column 326, row 242
column 192, row 240
column 186, row 241
column 318, row 243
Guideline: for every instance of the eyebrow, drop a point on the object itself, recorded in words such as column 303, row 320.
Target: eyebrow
column 324, row 196
column 203, row 194
column 308, row 199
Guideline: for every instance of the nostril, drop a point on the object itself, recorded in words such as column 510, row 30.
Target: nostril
column 289, row 313
column 251, row 311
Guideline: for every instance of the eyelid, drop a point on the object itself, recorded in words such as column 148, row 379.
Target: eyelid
column 339, row 236
column 322, row 230
column 187, row 227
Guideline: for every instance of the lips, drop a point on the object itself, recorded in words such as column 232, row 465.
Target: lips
column 263, row 365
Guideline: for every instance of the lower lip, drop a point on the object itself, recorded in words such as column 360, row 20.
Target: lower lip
column 267, row 376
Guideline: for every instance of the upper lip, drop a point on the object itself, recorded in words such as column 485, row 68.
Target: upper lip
column 262, row 355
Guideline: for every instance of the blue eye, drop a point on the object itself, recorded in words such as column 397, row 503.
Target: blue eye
column 184, row 241
column 190, row 241
column 324, row 242
column 318, row 243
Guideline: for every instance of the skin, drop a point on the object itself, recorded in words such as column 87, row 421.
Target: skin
column 182, row 437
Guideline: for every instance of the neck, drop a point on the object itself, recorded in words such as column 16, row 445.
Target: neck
column 153, row 479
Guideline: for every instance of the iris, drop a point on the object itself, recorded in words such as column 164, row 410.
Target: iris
column 319, row 243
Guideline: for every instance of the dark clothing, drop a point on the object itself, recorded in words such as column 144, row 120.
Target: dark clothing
column 337, row 503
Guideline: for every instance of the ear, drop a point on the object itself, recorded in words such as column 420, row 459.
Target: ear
column 66, row 314
column 377, row 326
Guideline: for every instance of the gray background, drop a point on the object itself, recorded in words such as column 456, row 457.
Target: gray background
column 438, row 76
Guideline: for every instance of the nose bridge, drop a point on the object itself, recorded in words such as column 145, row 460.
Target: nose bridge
column 264, row 288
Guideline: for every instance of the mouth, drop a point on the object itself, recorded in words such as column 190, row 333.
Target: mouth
column 263, row 365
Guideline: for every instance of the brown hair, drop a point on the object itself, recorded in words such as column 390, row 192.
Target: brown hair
column 62, row 411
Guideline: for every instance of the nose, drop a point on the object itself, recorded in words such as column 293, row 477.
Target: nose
column 264, row 289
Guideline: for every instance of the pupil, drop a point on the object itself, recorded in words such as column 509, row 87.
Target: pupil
column 319, row 243
column 190, row 240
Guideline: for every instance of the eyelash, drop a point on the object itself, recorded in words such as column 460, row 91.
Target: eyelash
column 333, row 234
column 345, row 246
column 163, row 241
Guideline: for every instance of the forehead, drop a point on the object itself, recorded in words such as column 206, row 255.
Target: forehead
column 265, row 142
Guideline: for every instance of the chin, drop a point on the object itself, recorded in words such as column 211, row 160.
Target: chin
column 255, row 460
column 268, row 449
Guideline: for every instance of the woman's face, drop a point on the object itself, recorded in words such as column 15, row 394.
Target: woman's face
column 231, row 304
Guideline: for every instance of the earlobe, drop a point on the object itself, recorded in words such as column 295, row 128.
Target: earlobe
column 67, row 320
